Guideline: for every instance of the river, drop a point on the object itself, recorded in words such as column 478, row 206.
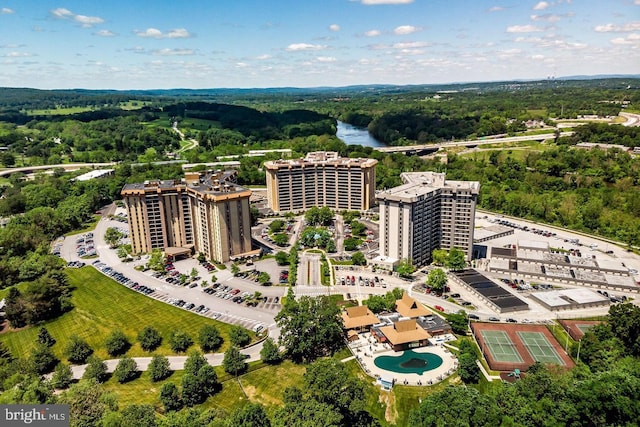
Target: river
column 352, row 135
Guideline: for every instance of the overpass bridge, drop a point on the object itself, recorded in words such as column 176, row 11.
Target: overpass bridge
column 66, row 166
column 416, row 149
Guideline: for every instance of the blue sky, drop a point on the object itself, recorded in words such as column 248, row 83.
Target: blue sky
column 117, row 44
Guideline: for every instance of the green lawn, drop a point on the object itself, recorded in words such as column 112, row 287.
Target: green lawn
column 60, row 111
column 103, row 305
column 258, row 385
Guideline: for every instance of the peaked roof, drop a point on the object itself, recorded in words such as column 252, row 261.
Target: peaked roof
column 409, row 307
column 404, row 331
column 357, row 317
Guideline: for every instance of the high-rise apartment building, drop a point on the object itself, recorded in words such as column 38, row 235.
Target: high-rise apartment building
column 427, row 212
column 321, row 179
column 209, row 213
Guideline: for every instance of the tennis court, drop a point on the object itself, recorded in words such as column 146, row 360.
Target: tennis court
column 501, row 347
column 539, row 347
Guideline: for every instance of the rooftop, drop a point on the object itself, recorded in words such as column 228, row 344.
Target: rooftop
column 321, row 158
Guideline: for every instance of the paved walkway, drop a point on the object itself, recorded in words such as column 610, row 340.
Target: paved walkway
column 176, row 363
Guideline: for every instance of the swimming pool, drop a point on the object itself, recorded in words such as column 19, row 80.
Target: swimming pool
column 409, row 362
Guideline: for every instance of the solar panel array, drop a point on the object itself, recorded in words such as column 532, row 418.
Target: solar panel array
column 499, row 296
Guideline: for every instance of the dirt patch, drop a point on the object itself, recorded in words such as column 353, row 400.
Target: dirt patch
column 254, row 396
column 389, row 400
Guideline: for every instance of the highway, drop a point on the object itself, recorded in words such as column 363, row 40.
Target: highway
column 470, row 143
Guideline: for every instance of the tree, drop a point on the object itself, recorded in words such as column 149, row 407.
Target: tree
column 276, row 226
column 469, row 371
column 208, row 380
column 77, row 350
column 250, row 415
column 439, row 256
column 140, row 415
column 233, row 361
column 42, row 359
column 405, row 268
column 358, row 258
column 459, row 322
column 264, row 278
column 624, row 320
column 117, row 343
column 282, row 258
column 87, row 402
column 456, row 406
column 159, row 368
column 126, row 370
column 62, row 376
column 281, row 239
column 112, row 236
column 170, row 397
column 358, row 228
column 239, row 336
column 45, row 338
column 191, row 393
column 209, row 338
column 96, row 370
column 456, row 260
column 180, row 341
column 270, row 353
column 156, row 260
column 235, row 269
column 352, row 243
column 437, row 279
column 149, row 338
column 309, row 327
column 194, row 362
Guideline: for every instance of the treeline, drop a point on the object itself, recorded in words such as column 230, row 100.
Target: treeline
column 594, row 191
column 603, row 133
column 35, row 99
column 49, row 206
column 602, row 390
column 252, row 124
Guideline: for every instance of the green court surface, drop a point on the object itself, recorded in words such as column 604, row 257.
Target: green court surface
column 501, row 347
column 409, row 362
column 540, row 348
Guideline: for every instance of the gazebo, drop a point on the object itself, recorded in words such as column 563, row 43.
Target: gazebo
column 409, row 307
column 405, row 334
column 358, row 318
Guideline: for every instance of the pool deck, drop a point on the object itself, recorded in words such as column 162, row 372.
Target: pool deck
column 366, row 350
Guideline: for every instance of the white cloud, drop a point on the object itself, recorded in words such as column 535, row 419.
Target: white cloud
column 541, row 5
column 372, row 33
column 104, row 33
column 17, row 55
column 406, row 29
column 326, row 59
column 375, row 2
column 612, row 28
column 173, row 52
column 84, row 20
column 334, row 27
column 263, row 57
column 630, row 39
column 303, row 46
column 6, row 11
column 496, row 9
column 637, row 2
column 410, row 45
column 523, row 29
column 178, row 33
column 548, row 17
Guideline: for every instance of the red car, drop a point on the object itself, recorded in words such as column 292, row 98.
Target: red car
column 437, row 307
